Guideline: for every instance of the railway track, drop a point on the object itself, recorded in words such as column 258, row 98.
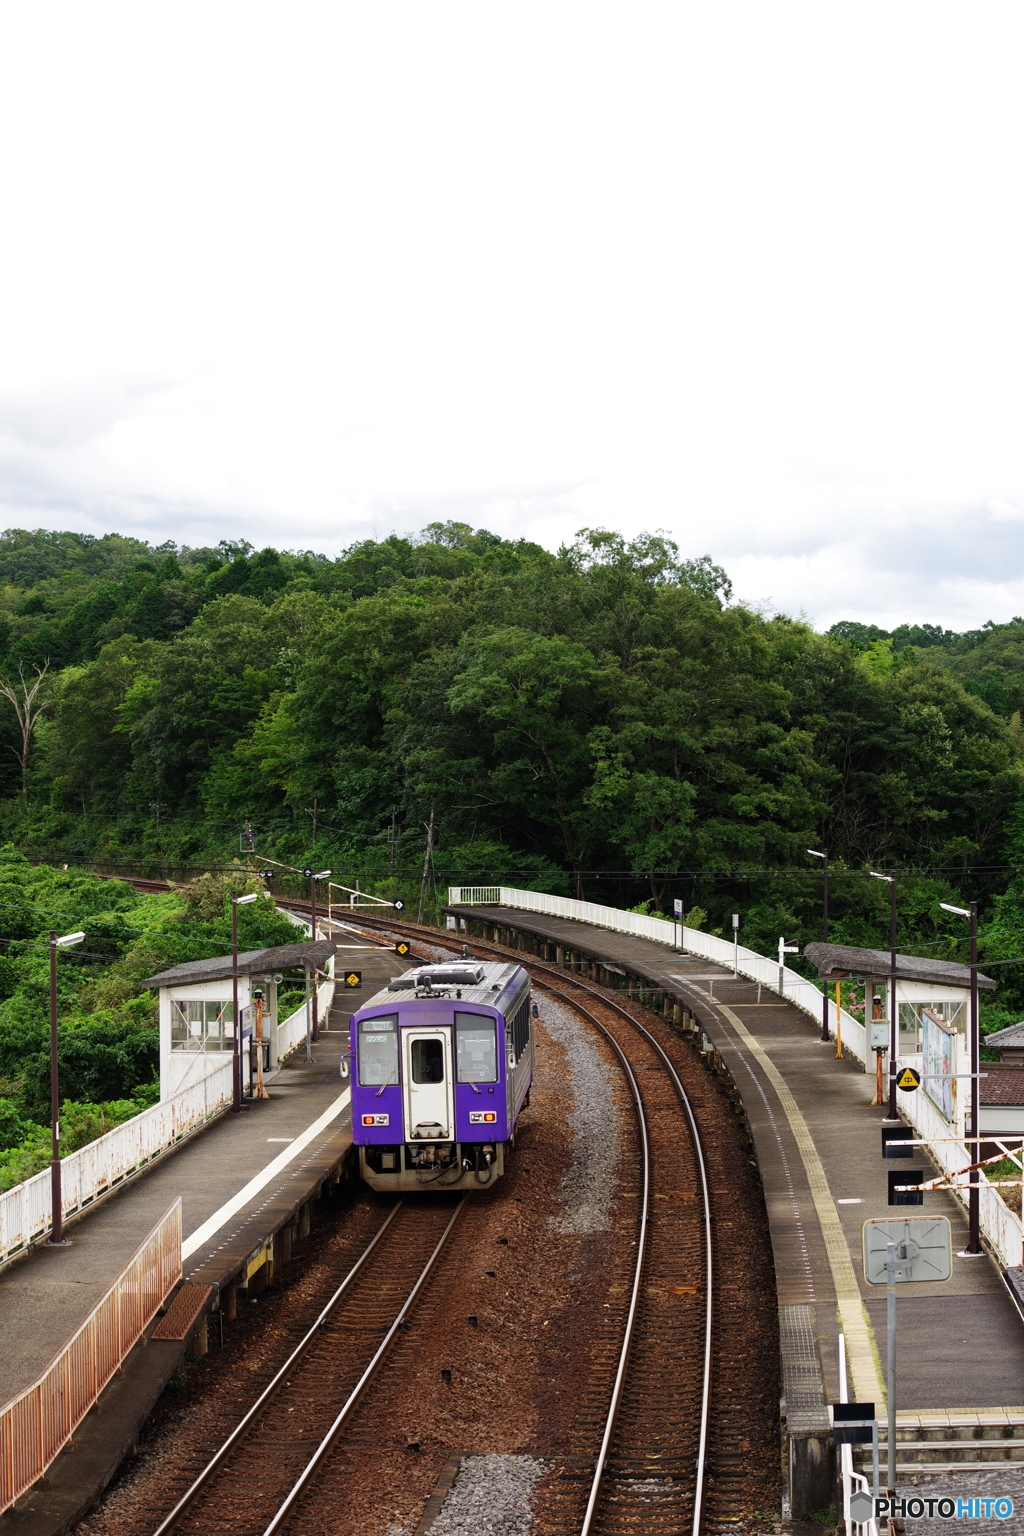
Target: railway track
column 661, row 1432
column 644, row 1427
column 264, row 1474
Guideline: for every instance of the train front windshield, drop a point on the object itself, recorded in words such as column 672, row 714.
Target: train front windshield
column 378, row 1051
column 476, row 1047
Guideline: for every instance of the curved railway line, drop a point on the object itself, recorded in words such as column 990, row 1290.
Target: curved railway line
column 666, row 1422
column 662, row 1430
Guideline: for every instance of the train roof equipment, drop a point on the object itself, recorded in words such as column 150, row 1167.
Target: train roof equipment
column 478, row 981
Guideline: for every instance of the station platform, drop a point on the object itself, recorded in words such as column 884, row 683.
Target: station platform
column 245, row 1182
column 817, row 1135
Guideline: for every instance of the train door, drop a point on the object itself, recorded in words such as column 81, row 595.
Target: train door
column 427, row 1077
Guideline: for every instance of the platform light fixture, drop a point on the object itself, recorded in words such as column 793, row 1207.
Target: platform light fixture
column 66, row 941
column 892, row 1113
column 824, row 938
column 974, row 1249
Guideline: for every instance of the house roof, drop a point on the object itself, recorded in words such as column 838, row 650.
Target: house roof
column 1004, row 1085
column 835, row 961
column 1012, row 1035
column 254, row 962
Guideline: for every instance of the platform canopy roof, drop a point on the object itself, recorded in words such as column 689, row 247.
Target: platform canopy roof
column 254, row 962
column 835, row 962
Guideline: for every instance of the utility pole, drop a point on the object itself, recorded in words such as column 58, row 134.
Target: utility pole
column 426, row 866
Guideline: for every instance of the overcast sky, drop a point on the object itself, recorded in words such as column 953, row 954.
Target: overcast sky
column 304, row 273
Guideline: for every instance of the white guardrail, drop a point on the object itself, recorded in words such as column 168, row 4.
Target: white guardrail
column 757, row 967
column 292, row 1030
column 25, row 1210
column 1003, row 1229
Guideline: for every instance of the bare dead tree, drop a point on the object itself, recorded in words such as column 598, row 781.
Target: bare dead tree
column 23, row 697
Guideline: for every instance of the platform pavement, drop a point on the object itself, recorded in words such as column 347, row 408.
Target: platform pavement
column 960, row 1345
column 47, row 1295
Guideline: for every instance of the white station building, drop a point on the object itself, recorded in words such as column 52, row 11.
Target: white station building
column 196, row 1023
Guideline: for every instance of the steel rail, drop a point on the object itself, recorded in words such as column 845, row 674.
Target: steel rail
column 363, row 1382
column 634, row 1300
column 547, row 970
column 245, row 1422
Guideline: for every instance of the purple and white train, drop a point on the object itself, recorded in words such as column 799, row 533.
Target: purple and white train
column 442, row 1062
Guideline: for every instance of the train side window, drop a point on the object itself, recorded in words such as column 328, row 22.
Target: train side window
column 519, row 1027
column 378, row 1051
column 476, row 1048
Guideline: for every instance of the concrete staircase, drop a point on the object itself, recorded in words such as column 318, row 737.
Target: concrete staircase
column 955, row 1440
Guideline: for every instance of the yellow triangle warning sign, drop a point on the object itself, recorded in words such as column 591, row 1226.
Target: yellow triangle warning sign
column 908, row 1079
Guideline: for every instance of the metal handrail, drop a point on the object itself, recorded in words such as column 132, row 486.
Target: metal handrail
column 37, row 1424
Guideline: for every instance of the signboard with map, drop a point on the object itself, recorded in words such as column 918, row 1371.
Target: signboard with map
column 937, row 1044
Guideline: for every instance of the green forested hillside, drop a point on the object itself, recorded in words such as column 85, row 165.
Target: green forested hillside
column 602, row 721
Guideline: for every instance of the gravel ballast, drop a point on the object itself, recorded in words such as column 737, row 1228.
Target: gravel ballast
column 492, row 1496
column 587, row 1187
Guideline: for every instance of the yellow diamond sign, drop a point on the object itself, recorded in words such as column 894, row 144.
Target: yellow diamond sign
column 354, row 979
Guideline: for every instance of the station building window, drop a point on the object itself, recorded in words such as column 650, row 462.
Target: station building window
column 201, row 1025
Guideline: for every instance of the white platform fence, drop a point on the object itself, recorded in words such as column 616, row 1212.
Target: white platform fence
column 26, row 1213
column 291, row 1032
column 1002, row 1228
column 756, row 967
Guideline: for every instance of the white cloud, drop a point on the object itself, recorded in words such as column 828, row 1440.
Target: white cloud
column 748, row 273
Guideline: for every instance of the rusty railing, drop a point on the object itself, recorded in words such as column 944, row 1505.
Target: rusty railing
column 37, row 1424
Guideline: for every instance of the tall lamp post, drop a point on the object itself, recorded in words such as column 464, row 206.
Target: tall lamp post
column 824, row 937
column 974, row 1249
column 236, row 1023
column 892, row 1113
column 314, row 876
column 56, row 1194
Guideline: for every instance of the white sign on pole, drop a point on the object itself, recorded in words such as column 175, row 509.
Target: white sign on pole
column 677, row 907
column 924, row 1249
